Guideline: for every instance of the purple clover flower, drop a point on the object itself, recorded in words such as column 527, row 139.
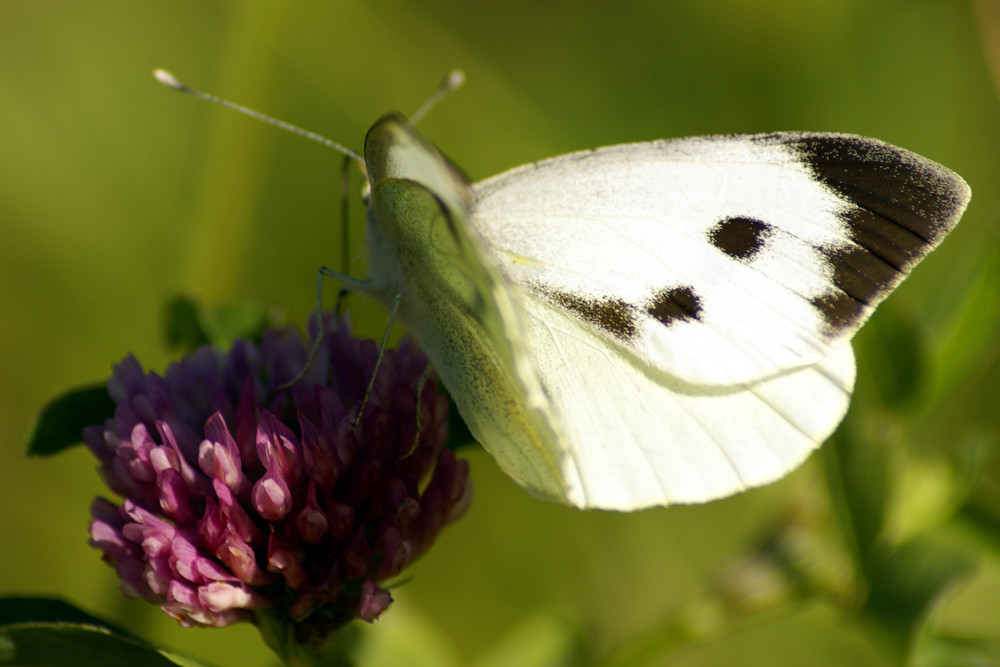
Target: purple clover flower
column 241, row 500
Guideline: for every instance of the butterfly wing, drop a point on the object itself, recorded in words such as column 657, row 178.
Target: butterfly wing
column 720, row 260
column 639, row 438
column 457, row 305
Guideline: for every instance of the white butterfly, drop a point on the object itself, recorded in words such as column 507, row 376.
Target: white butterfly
column 654, row 323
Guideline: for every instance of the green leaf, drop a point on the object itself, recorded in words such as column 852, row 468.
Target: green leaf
column 894, row 357
column 235, row 321
column 857, row 467
column 182, row 660
column 20, row 609
column 544, row 639
column 182, row 325
column 60, row 424
column 53, row 633
column 957, row 652
column 967, row 351
column 187, row 327
column 907, row 583
column 982, row 509
column 65, row 644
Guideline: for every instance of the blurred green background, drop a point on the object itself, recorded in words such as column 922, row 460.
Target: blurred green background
column 117, row 194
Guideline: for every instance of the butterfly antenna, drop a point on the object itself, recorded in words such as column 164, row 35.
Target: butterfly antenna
column 452, row 81
column 168, row 79
column 345, row 236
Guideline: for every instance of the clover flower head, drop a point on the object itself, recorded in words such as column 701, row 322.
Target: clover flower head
column 240, row 497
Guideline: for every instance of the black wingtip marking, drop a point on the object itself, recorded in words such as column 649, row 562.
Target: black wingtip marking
column 899, row 206
column 675, row 304
column 739, row 237
column 861, row 280
column 904, row 204
column 840, row 311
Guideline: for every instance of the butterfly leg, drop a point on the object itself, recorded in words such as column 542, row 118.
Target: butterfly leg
column 350, row 284
column 418, row 391
column 381, row 354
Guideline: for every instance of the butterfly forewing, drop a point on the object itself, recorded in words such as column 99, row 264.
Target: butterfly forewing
column 720, row 260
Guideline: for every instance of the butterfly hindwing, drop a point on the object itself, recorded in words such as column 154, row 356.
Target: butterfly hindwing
column 641, row 438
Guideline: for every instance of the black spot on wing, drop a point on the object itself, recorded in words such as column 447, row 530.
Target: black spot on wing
column 614, row 316
column 621, row 318
column 739, row 237
column 675, row 304
column 898, row 207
